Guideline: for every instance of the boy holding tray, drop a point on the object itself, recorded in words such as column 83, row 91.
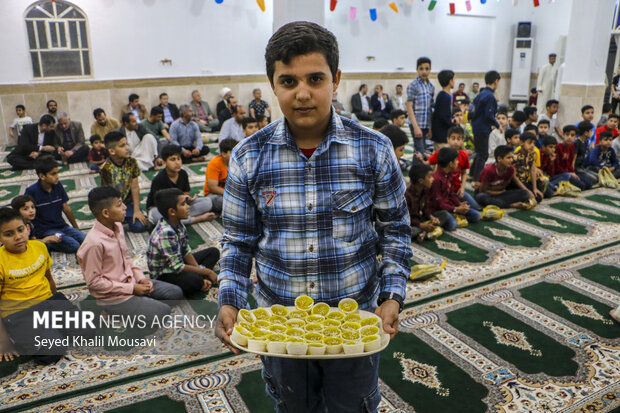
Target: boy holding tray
column 301, row 198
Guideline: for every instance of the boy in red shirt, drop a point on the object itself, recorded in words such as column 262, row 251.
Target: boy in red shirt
column 549, row 165
column 456, row 136
column 611, row 126
column 565, row 157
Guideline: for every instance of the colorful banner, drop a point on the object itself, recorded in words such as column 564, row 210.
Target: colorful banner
column 261, row 4
column 468, row 5
column 432, row 5
column 393, row 6
column 352, row 13
column 452, row 8
column 332, row 5
column 373, row 14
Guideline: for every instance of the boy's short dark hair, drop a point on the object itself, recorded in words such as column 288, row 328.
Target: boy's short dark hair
column 529, row 111
column 491, row 76
column 613, row 116
column 569, row 128
column 20, row 200
column 475, row 83
column 156, row 110
column 501, row 151
column 603, row 136
column 531, row 127
column 395, row 134
column 527, row 136
column 94, row 138
column 379, row 123
column 422, row 60
column 20, row 106
column 445, row 156
column 227, row 145
column 166, row 199
column 101, row 197
column 519, row 116
column 396, row 113
column 552, row 102
column 502, row 110
column 399, row 85
column 112, row 138
column 548, row 140
column 47, row 120
column 8, row 214
column 456, row 110
column 583, row 127
column 455, row 130
column 511, row 132
column 260, row 118
column 444, row 77
column 97, row 112
column 418, row 171
column 586, row 107
column 465, row 102
column 169, row 150
column 297, row 39
column 606, row 107
column 533, row 90
column 133, row 97
column 544, row 122
column 461, row 84
column 44, row 164
column 246, row 121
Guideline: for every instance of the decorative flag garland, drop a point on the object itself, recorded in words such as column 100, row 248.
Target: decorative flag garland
column 332, row 5
column 352, row 13
column 261, row 5
column 373, row 14
column 393, row 6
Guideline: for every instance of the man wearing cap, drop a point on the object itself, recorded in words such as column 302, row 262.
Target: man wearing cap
column 225, row 93
column 546, row 83
column 206, row 120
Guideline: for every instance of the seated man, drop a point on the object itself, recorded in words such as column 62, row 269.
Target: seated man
column 142, row 144
column 70, row 140
column 134, row 106
column 170, row 110
column 34, row 288
column 185, row 133
column 103, row 124
column 36, row 139
column 225, row 114
column 225, row 93
column 339, row 106
column 157, row 127
column 206, row 120
column 380, row 104
column 233, row 127
column 360, row 104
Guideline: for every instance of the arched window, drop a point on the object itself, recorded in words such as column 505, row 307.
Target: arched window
column 58, row 40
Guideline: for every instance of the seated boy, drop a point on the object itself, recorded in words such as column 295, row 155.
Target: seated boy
column 459, row 174
column 542, row 129
column 423, row 220
column 605, row 112
column 513, row 139
column 603, row 155
column 565, row 160
column 51, row 200
column 97, row 154
column 119, row 285
column 516, row 120
column 587, row 115
column 121, row 171
column 379, row 123
column 174, row 176
column 495, row 179
column 25, row 205
column 399, row 140
column 250, row 126
column 497, row 136
column 261, row 121
column 584, row 133
column 443, row 196
column 217, row 171
column 549, row 165
column 525, row 165
column 169, row 255
column 611, row 125
column 33, row 290
column 398, row 117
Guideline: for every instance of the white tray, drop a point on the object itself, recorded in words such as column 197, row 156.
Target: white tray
column 385, row 340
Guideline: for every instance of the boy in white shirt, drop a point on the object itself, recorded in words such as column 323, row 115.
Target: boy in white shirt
column 18, row 123
column 496, row 138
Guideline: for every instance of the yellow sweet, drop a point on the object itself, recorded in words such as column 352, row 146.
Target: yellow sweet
column 261, row 313
column 280, row 310
column 316, row 349
column 298, row 314
column 351, row 326
column 334, row 345
column 295, row 332
column 296, row 348
column 347, row 305
column 331, row 323
column 371, row 343
column 276, row 343
column 353, row 317
column 262, row 324
column 313, row 327
column 246, row 315
column 295, row 322
column 304, row 303
column 369, row 331
column 277, row 319
column 335, row 315
column 353, row 347
column 320, row 309
column 370, row 321
column 350, row 335
column 331, row 332
column 240, row 335
column 277, row 328
column 246, row 325
column 315, row 318
column 313, row 337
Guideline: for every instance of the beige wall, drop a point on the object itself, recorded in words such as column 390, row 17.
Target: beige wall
column 80, row 98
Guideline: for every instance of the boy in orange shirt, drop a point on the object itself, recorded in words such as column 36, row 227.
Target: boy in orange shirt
column 217, row 171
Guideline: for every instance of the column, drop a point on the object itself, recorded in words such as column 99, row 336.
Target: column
column 582, row 80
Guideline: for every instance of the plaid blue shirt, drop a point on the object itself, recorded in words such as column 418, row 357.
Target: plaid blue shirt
column 309, row 222
column 167, row 249
column 421, row 94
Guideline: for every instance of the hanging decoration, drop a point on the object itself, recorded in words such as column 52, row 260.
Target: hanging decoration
column 393, row 6
column 515, row 3
column 432, row 5
column 452, row 8
column 352, row 13
column 468, row 5
column 536, row 3
column 219, row 1
column 373, row 14
column 332, row 5
column 483, row 1
column 261, row 4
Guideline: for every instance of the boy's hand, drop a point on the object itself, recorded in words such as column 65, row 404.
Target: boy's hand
column 141, row 289
column 224, row 326
column 538, row 193
column 51, row 239
column 388, row 311
column 48, row 148
column 147, row 283
column 434, row 220
column 137, row 214
column 462, row 209
column 33, row 155
column 196, row 151
column 206, row 285
column 187, row 153
column 210, row 274
column 191, row 199
column 574, row 175
column 427, row 227
column 532, row 194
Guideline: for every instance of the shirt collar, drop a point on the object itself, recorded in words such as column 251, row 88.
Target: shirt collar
column 105, row 230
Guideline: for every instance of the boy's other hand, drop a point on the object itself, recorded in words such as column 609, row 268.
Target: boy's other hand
column 51, row 239
column 187, row 153
column 210, row 274
column 532, row 195
column 139, row 216
column 462, row 209
column 33, row 155
column 417, row 132
column 141, row 289
column 224, row 326
column 388, row 311
column 434, row 220
column 538, row 193
column 427, row 227
column 147, row 283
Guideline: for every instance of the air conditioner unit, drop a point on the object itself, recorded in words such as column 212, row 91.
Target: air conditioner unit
column 521, row 68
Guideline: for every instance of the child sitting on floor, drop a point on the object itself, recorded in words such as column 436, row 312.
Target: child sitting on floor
column 443, row 196
column 216, row 173
column 423, row 220
column 169, row 255
column 524, row 163
column 97, row 154
column 603, row 156
column 513, row 139
column 565, row 160
column 584, row 133
column 250, row 126
column 549, row 165
column 51, row 200
column 119, row 285
column 495, row 179
column 26, row 284
column 497, row 136
column 174, row 176
column 398, row 138
column 25, row 205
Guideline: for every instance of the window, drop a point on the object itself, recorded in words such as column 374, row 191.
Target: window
column 58, row 40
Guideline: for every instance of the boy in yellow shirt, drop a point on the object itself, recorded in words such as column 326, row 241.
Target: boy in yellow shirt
column 26, row 286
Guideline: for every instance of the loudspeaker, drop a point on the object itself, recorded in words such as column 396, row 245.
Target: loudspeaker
column 524, row 29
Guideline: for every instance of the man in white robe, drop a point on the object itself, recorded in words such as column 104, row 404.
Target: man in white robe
column 546, row 83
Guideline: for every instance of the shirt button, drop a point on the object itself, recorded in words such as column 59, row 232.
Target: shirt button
column 309, row 166
column 354, row 209
column 312, row 285
column 311, row 248
column 309, row 207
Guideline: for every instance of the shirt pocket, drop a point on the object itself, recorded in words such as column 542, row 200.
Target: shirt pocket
column 350, row 214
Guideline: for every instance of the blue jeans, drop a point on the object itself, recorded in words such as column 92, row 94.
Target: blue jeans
column 133, row 226
column 94, row 167
column 471, row 201
column 472, row 216
column 419, row 144
column 556, row 179
column 70, row 242
column 341, row 385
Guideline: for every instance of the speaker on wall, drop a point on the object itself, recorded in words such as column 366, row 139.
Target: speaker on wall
column 524, row 29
